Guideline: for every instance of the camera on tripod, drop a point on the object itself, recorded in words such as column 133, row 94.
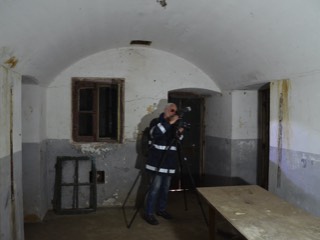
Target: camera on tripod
column 183, row 124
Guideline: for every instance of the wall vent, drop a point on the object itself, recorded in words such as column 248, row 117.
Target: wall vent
column 140, row 42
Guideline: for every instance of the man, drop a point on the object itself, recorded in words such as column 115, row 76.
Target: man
column 161, row 162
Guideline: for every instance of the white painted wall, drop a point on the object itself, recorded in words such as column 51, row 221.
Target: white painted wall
column 245, row 114
column 232, row 136
column 33, row 150
column 294, row 141
column 4, row 116
column 11, row 209
column 302, row 130
column 219, row 115
column 149, row 74
column 233, row 115
column 33, row 118
column 10, row 80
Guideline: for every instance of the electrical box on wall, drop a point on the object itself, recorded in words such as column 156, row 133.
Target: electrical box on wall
column 100, row 177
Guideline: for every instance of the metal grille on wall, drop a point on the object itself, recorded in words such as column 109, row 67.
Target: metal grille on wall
column 75, row 190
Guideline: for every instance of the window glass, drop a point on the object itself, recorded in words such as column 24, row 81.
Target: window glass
column 86, row 99
column 85, row 124
column 108, row 111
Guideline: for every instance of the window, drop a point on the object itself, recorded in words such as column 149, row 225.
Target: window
column 97, row 106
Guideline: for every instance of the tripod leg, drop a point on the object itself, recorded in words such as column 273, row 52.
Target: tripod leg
column 139, row 205
column 185, row 199
column 183, row 185
column 194, row 188
column 125, row 201
column 135, row 214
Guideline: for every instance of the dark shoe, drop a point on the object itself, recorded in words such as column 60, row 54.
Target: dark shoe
column 164, row 214
column 151, row 219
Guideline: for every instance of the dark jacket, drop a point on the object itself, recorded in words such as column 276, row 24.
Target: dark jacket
column 162, row 157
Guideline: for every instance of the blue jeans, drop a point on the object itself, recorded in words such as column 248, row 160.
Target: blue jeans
column 158, row 193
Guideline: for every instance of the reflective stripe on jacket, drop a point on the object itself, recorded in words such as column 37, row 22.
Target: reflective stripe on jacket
column 162, row 156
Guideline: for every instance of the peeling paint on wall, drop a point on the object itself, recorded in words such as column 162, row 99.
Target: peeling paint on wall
column 93, row 148
column 113, row 200
column 150, row 108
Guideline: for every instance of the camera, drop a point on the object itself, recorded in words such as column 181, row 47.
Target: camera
column 185, row 125
column 183, row 111
column 181, row 123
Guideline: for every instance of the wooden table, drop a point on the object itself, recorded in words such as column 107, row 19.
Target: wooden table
column 258, row 214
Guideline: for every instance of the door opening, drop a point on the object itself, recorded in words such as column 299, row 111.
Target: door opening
column 193, row 143
column 264, row 131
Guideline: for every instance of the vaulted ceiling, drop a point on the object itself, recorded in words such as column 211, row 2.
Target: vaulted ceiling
column 239, row 44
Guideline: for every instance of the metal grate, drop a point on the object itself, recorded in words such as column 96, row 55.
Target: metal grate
column 75, row 190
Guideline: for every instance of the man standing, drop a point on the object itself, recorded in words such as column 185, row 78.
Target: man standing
column 161, row 162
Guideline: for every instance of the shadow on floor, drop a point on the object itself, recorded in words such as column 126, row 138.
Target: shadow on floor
column 109, row 223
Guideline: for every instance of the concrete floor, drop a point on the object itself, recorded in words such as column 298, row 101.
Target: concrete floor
column 110, row 223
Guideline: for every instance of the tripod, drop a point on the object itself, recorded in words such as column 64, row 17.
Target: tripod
column 182, row 161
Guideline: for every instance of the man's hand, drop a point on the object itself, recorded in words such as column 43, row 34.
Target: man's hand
column 181, row 130
column 173, row 119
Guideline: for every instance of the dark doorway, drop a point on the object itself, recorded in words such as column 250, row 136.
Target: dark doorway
column 264, row 131
column 193, row 142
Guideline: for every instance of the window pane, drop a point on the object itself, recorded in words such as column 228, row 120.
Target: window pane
column 108, row 112
column 86, row 99
column 85, row 124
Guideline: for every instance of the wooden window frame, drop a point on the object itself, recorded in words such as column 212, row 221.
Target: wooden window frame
column 95, row 83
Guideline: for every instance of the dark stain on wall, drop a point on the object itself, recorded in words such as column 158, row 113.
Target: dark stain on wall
column 12, row 62
column 283, row 124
